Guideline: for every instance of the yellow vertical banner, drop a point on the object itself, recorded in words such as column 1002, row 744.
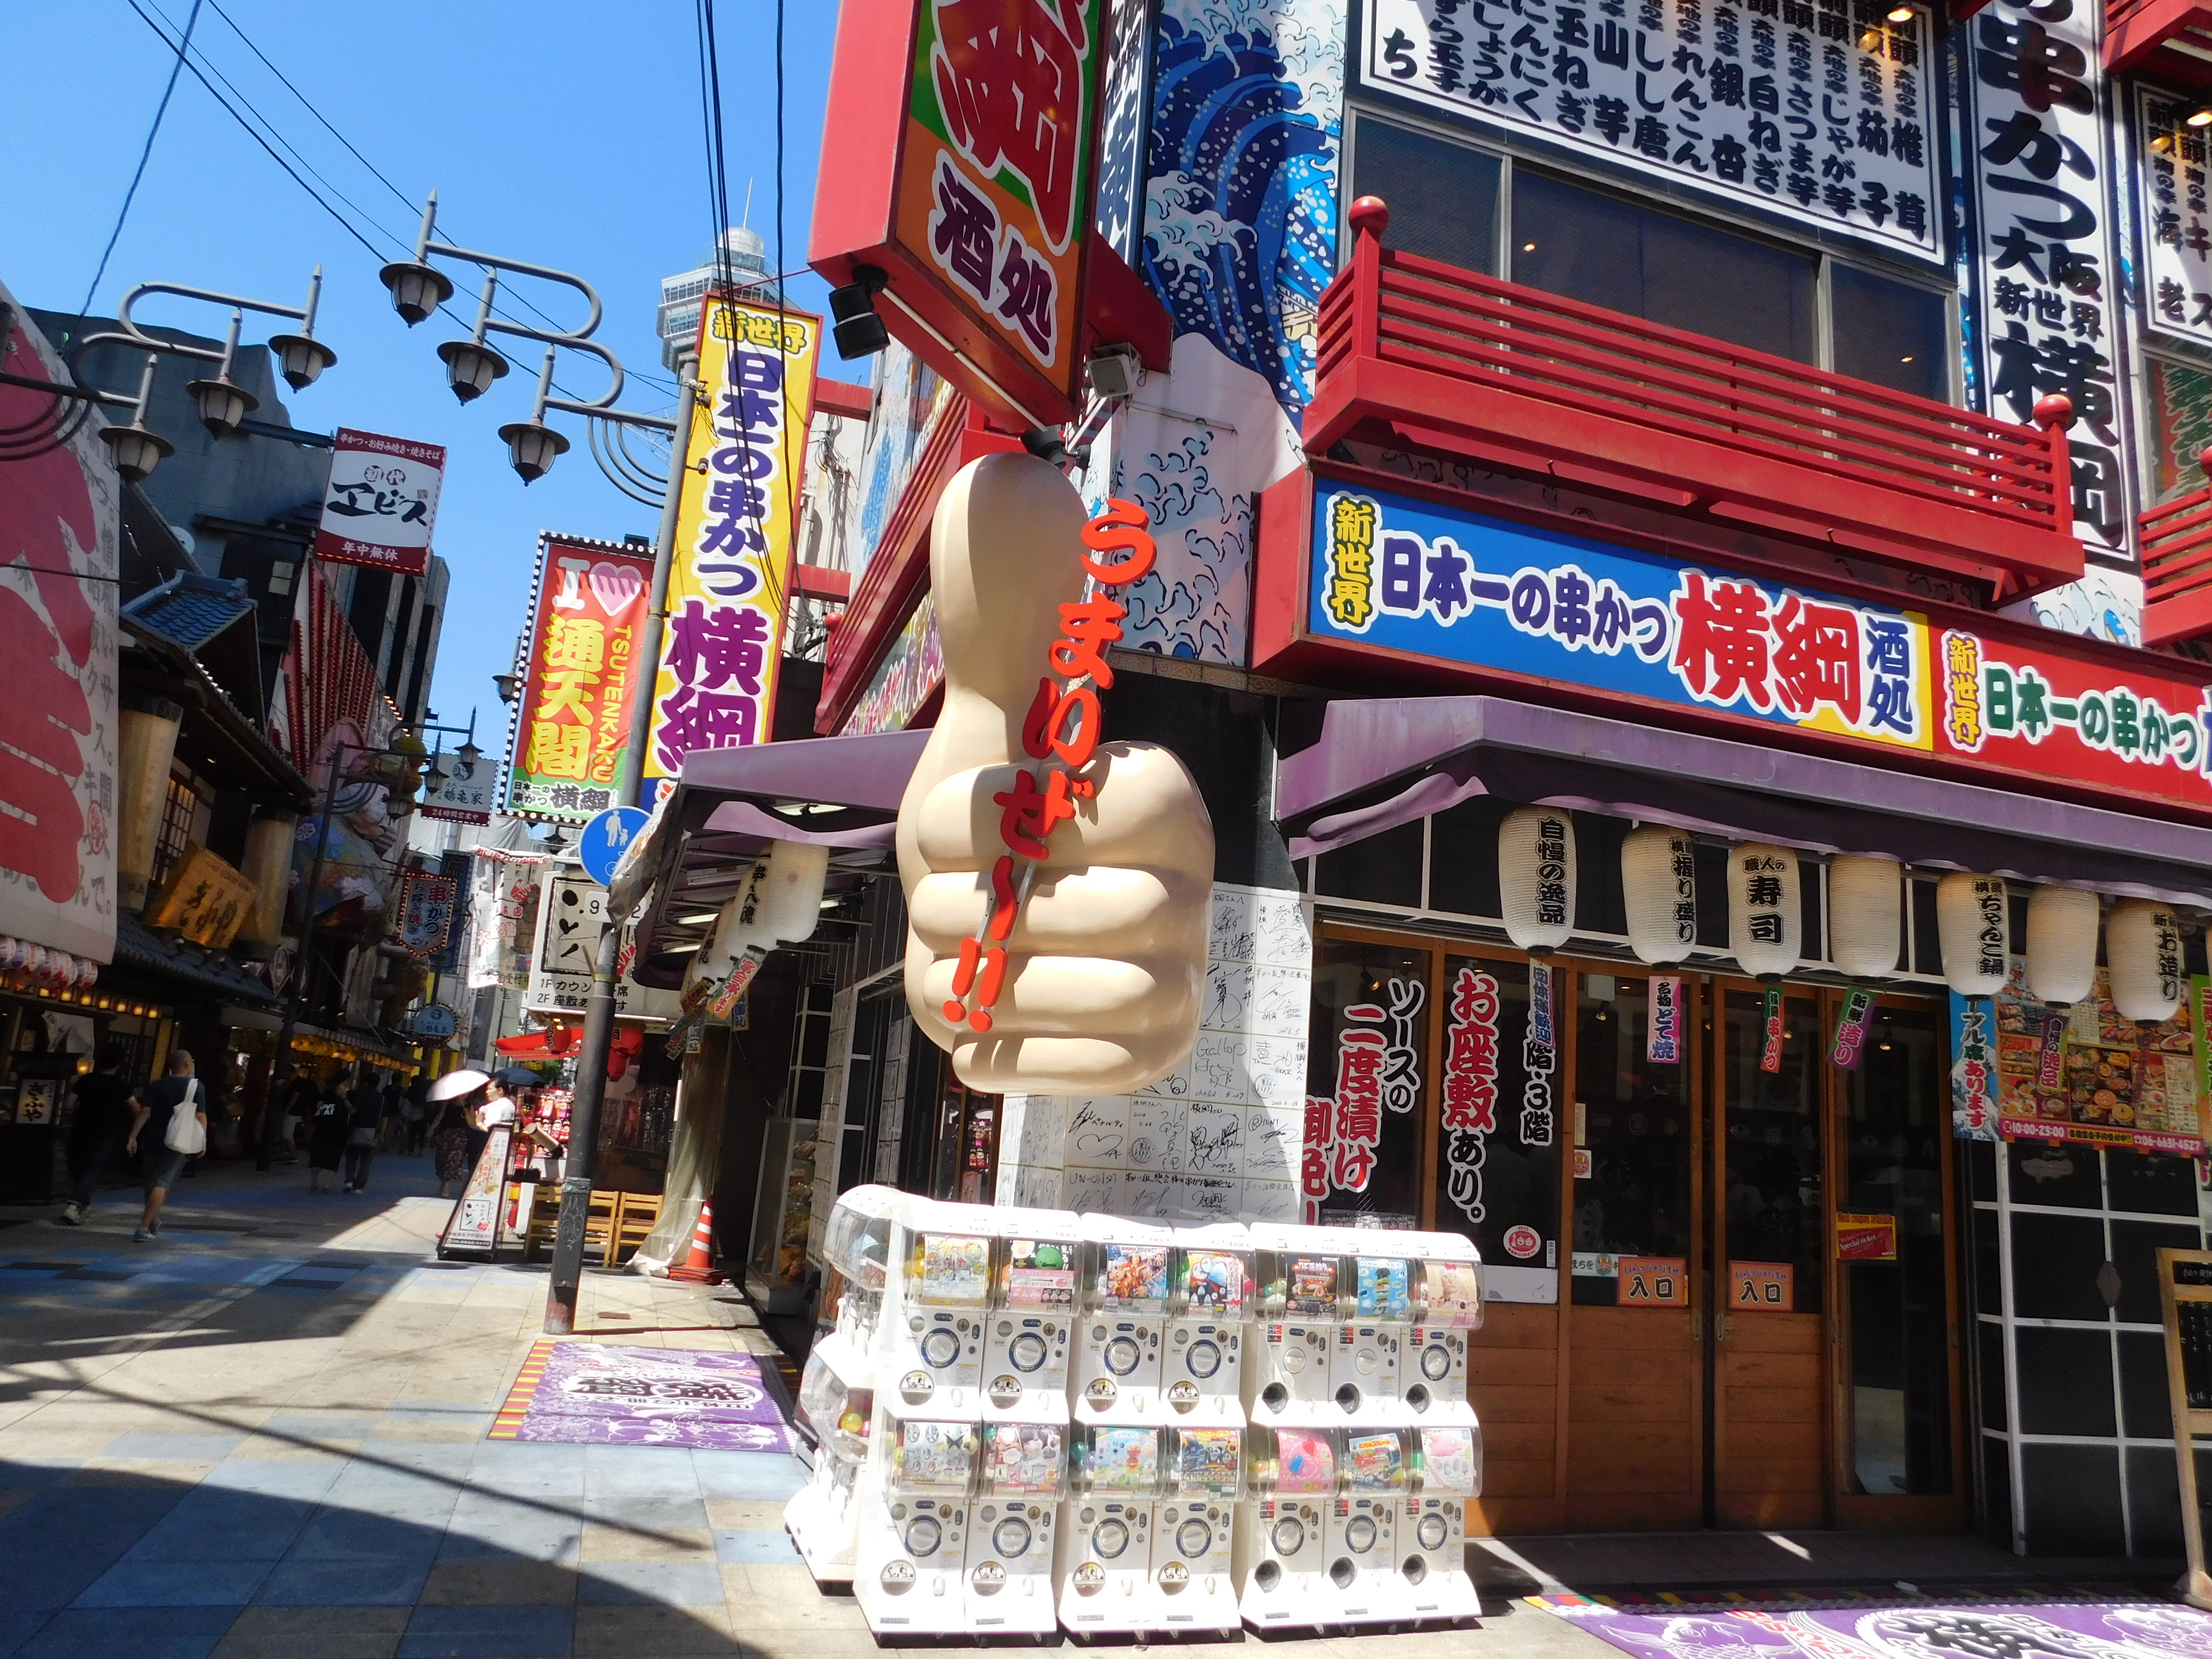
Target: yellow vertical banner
column 729, row 587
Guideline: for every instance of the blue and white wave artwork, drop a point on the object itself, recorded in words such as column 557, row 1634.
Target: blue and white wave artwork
column 1239, row 240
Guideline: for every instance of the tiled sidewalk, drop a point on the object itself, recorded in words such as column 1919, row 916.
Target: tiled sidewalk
column 265, row 1435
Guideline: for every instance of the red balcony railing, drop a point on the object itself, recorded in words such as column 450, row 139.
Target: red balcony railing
column 2177, row 563
column 1426, row 354
column 2169, row 38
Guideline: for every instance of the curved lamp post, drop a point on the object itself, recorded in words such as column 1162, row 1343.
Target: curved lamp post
column 473, row 367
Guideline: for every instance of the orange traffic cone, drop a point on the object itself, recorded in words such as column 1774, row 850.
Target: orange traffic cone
column 699, row 1267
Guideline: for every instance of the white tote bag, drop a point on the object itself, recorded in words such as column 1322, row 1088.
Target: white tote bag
column 186, row 1132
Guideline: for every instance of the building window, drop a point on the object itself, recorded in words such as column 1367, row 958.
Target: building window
column 180, row 810
column 1454, row 202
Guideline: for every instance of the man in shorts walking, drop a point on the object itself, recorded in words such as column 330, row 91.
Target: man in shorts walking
column 163, row 1104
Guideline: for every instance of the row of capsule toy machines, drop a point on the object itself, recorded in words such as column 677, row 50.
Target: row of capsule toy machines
column 1028, row 1418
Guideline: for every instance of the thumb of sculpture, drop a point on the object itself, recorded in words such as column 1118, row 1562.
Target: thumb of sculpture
column 1099, row 979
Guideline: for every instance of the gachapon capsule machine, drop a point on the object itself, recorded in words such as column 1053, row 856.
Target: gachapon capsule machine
column 1208, row 1329
column 1301, row 1275
column 1022, row 1471
column 1115, row 1476
column 1363, row 1366
column 1193, row 1533
column 1280, row 1549
column 823, row 1516
column 856, row 1245
column 1447, row 1295
column 1032, row 1316
column 1121, row 1319
column 916, row 1514
column 1372, row 1466
column 936, row 1307
column 1447, row 1471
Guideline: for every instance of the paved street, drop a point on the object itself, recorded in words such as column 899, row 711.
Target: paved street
column 265, row 1435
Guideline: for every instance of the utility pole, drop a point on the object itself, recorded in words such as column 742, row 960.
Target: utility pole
column 599, row 1008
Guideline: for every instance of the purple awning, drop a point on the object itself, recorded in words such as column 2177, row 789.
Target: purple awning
column 1382, row 762
column 731, row 803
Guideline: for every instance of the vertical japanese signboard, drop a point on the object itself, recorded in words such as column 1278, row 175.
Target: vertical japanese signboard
column 2177, row 223
column 381, row 503
column 723, row 643
column 2044, row 273
column 572, row 722
column 988, row 137
column 1813, row 109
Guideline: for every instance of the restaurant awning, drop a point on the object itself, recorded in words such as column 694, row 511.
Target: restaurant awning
column 730, row 803
column 1382, row 762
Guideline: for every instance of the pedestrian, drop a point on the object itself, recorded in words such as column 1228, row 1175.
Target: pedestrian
column 178, row 1109
column 101, row 1122
column 365, row 1128
column 449, row 1144
column 415, row 1113
column 327, row 1122
column 301, row 1094
column 395, row 1115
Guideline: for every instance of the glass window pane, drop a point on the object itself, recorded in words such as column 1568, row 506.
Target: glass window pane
column 1890, row 332
column 1637, row 1126
column 1497, row 1166
column 1442, row 196
column 1366, row 1070
column 1664, row 269
column 1772, row 1169
column 1900, row 1376
column 1384, row 869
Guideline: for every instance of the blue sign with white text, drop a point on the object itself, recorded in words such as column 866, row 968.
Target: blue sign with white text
column 1461, row 586
column 607, row 837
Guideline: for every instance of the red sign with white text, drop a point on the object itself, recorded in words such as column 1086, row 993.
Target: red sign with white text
column 381, row 503
column 571, row 721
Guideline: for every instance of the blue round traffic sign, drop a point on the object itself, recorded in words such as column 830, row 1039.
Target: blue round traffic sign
column 607, row 837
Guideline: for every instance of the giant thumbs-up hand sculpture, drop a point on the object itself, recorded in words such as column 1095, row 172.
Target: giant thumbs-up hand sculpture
column 1056, row 885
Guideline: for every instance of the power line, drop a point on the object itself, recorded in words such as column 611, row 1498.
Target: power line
column 145, row 151
column 400, row 240
column 352, row 230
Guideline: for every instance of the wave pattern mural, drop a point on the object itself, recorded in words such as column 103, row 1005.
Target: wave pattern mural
column 1240, row 210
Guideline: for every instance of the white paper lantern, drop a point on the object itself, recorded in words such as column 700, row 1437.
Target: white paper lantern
column 1536, row 877
column 1659, row 891
column 2062, row 945
column 2143, row 948
column 1865, row 897
column 1764, row 921
column 1971, row 924
column 790, row 905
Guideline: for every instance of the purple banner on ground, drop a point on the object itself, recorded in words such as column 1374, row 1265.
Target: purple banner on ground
column 1967, row 1629
column 654, row 1397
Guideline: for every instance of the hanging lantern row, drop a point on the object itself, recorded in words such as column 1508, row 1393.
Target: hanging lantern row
column 1659, row 894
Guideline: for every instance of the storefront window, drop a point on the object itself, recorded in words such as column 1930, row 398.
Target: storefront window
column 1498, row 1149
column 1770, row 1161
column 1636, row 1125
column 1366, row 1066
column 1900, row 1373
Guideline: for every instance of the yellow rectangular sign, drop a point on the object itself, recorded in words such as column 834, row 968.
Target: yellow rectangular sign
column 730, row 583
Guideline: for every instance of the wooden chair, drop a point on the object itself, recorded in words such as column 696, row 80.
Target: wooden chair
column 599, row 1223
column 640, row 1213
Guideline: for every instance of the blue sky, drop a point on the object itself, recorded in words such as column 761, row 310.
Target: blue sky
column 566, row 133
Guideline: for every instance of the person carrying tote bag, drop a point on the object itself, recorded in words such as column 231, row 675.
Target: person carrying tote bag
column 180, row 1104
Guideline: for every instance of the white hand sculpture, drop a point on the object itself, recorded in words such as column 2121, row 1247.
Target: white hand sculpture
column 1105, row 965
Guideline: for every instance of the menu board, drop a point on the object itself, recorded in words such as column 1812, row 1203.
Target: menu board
column 2022, row 1070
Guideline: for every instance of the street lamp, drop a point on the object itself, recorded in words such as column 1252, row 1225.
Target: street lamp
column 473, row 367
column 417, row 288
column 226, row 408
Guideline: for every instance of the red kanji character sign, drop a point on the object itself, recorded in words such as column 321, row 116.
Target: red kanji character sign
column 1816, row 657
column 1724, row 641
column 1009, row 76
